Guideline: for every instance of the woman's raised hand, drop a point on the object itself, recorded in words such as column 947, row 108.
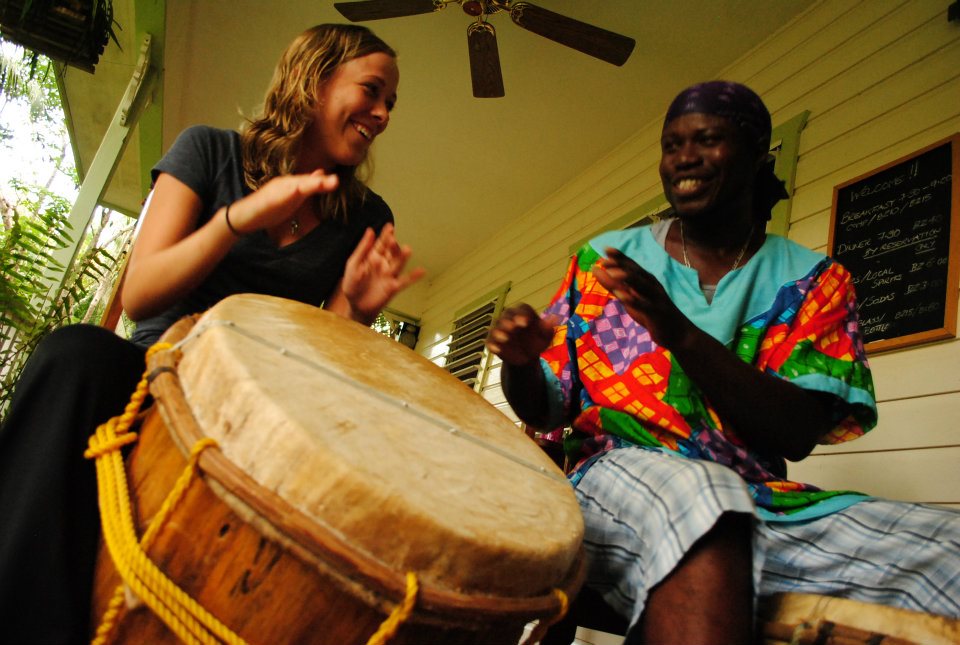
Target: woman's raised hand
column 374, row 273
column 172, row 255
column 520, row 335
column 278, row 199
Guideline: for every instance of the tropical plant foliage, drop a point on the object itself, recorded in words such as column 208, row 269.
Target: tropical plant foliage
column 34, row 300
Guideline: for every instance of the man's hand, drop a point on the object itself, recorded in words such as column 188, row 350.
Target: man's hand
column 520, row 335
column 644, row 298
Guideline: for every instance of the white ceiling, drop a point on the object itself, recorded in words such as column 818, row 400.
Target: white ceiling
column 454, row 168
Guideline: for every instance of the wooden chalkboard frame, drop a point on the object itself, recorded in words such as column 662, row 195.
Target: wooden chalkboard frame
column 948, row 329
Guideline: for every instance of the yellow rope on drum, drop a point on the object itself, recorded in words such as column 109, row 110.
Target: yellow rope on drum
column 183, row 615
column 399, row 615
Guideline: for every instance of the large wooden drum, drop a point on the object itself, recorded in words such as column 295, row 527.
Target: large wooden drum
column 344, row 463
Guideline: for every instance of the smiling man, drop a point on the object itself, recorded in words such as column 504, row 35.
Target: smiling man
column 692, row 358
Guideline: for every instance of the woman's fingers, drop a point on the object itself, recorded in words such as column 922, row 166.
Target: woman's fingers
column 279, row 198
column 363, row 248
column 318, row 182
column 389, row 253
column 402, row 281
column 412, row 277
column 375, row 271
column 382, row 248
column 392, row 258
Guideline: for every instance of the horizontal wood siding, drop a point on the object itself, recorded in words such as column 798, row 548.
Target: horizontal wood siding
column 880, row 79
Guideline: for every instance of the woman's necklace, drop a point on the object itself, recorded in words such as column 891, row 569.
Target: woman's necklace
column 736, row 263
column 295, row 220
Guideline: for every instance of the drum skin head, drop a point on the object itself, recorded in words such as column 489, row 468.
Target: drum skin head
column 379, row 446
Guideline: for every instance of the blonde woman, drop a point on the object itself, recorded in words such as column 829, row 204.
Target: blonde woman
column 278, row 209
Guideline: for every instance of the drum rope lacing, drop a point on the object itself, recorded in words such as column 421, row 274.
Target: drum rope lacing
column 202, row 327
column 185, row 617
column 399, row 615
column 182, row 614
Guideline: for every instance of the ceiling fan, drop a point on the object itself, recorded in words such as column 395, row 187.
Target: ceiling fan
column 482, row 38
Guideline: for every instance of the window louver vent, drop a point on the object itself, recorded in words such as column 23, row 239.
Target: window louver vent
column 465, row 355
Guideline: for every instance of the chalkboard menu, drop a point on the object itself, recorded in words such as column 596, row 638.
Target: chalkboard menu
column 896, row 230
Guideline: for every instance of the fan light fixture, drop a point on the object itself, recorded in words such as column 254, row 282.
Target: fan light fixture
column 482, row 37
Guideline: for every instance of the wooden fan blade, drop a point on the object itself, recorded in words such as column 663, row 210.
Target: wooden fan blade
column 377, row 9
column 484, row 61
column 593, row 41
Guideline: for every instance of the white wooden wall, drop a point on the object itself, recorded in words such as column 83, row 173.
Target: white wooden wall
column 881, row 79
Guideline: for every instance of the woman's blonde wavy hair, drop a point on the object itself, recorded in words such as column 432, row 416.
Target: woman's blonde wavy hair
column 270, row 143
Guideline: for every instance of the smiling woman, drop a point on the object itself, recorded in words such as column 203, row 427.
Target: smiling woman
column 281, row 209
column 353, row 107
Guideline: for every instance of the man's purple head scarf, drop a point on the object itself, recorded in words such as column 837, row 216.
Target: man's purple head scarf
column 746, row 110
column 734, row 101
